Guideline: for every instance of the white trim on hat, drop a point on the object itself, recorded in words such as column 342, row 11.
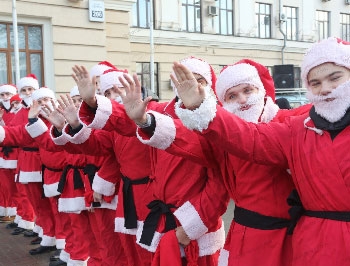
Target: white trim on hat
column 198, row 66
column 43, row 92
column 109, row 79
column 97, row 70
column 28, row 82
column 8, row 88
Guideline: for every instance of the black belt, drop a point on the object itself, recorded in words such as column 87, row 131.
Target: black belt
column 130, row 216
column 157, row 208
column 6, row 150
column 30, row 149
column 89, row 170
column 258, row 221
column 43, row 167
column 297, row 210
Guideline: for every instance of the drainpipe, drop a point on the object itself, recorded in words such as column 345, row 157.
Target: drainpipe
column 281, row 30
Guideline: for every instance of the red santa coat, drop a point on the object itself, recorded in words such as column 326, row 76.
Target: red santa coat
column 8, row 157
column 191, row 191
column 320, row 171
column 133, row 158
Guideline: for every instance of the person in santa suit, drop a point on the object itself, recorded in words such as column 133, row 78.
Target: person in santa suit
column 134, row 161
column 8, row 162
column 247, row 90
column 28, row 175
column 96, row 71
column 312, row 145
column 181, row 197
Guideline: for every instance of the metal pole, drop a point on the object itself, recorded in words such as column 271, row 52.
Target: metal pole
column 151, row 45
column 15, row 40
column 283, row 33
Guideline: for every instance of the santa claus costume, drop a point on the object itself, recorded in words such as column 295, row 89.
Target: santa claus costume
column 181, row 189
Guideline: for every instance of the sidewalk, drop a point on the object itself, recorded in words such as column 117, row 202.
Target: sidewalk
column 14, row 250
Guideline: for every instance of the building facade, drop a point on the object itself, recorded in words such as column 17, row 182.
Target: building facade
column 57, row 34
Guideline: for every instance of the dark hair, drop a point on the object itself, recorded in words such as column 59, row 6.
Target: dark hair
column 283, row 103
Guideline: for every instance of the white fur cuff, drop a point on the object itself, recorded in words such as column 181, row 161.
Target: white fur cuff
column 190, row 221
column 81, row 136
column 103, row 112
column 164, row 133
column 36, row 129
column 61, row 140
column 102, row 186
column 199, row 118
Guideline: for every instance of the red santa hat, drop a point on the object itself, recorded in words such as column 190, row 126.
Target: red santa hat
column 15, row 98
column 331, row 50
column 28, row 81
column 201, row 67
column 8, row 88
column 74, row 91
column 111, row 77
column 233, row 75
column 101, row 67
column 42, row 93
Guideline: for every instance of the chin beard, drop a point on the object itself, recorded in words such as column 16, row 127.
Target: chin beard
column 334, row 110
column 256, row 102
column 27, row 99
column 6, row 104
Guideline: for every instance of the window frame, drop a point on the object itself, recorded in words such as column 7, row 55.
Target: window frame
column 141, row 75
column 290, row 20
column 318, row 22
column 219, row 19
column 195, row 13
column 346, row 25
column 257, row 17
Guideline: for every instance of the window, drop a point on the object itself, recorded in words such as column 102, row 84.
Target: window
column 263, row 20
column 297, row 79
column 191, row 15
column 30, row 44
column 143, row 72
column 223, row 23
column 345, row 26
column 141, row 13
column 291, row 24
column 322, row 21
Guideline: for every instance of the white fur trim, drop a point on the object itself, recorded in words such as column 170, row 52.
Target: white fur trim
column 112, row 205
column 199, row 118
column 28, row 81
column 60, row 243
column 102, row 186
column 8, row 164
column 270, row 110
column 36, row 129
column 61, row 140
column 107, row 80
column 2, row 134
column 235, row 75
column 198, row 66
column 103, row 112
column 18, row 218
column 38, row 229
column 10, row 211
column 50, row 190
column 190, row 220
column 80, row 137
column 120, row 228
column 77, row 262
column 328, row 50
column 223, row 257
column 2, row 211
column 8, row 88
column 29, row 177
column 97, row 70
column 48, row 241
column 42, row 93
column 71, row 205
column 211, row 242
column 26, row 224
column 64, row 256
column 318, row 131
column 164, row 133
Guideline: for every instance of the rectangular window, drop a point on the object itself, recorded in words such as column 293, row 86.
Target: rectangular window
column 191, row 15
column 297, row 78
column 143, row 71
column 223, row 23
column 322, row 21
column 141, row 13
column 30, row 44
column 291, row 24
column 263, row 20
column 345, row 26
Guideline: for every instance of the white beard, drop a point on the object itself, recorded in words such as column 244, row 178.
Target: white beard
column 27, row 99
column 15, row 110
column 334, row 110
column 6, row 104
column 256, row 102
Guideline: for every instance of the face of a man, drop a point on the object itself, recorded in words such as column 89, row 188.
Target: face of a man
column 112, row 94
column 323, row 79
column 77, row 100
column 44, row 100
column 27, row 91
column 200, row 79
column 5, row 96
column 239, row 94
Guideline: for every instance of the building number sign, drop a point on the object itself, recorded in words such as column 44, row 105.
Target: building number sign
column 96, row 10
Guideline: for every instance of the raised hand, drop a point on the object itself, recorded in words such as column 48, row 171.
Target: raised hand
column 67, row 108
column 85, row 85
column 189, row 90
column 34, row 110
column 53, row 116
column 134, row 106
